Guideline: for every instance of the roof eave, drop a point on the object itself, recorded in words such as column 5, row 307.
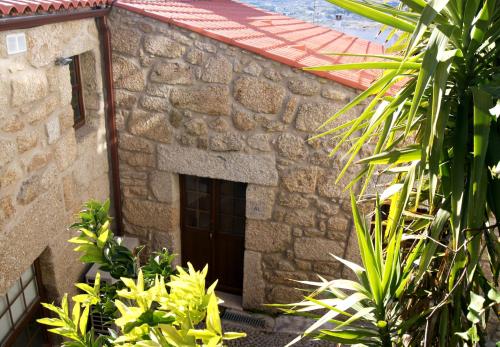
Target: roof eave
column 25, row 22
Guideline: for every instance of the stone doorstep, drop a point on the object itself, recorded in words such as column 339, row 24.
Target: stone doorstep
column 231, row 301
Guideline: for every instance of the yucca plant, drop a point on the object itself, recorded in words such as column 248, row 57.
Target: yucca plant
column 370, row 310
column 432, row 119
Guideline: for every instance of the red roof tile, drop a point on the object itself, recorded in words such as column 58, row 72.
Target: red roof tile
column 18, row 7
column 284, row 39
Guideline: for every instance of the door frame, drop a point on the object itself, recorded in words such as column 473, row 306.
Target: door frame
column 214, row 191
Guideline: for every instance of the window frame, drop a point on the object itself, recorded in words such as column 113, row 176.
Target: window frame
column 30, row 311
column 77, row 92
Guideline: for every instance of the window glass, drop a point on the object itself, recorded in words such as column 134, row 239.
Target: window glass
column 197, row 205
column 191, row 218
column 5, row 326
column 3, row 304
column 76, row 92
column 191, row 183
column 14, row 291
column 203, row 220
column 20, row 302
column 72, row 71
column 27, row 275
column 197, row 219
column 17, row 308
column 30, row 293
column 192, row 200
column 206, row 198
column 203, row 201
column 231, row 214
column 203, row 184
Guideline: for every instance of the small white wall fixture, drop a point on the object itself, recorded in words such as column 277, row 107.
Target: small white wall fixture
column 16, row 43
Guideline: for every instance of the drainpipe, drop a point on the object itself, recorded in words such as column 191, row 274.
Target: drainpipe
column 25, row 22
column 111, row 120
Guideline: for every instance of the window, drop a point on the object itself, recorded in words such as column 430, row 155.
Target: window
column 77, row 93
column 19, row 309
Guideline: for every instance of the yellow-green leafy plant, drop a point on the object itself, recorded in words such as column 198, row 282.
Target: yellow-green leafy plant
column 161, row 317
column 73, row 326
column 180, row 313
column 97, row 243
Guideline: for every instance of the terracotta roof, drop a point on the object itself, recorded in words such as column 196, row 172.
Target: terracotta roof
column 275, row 36
column 20, row 7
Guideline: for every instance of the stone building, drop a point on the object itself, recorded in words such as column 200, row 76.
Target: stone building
column 220, row 99
column 193, row 117
column 51, row 159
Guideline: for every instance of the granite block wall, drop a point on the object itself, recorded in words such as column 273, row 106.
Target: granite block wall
column 188, row 104
column 48, row 168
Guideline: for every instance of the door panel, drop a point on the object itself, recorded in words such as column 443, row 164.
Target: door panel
column 196, row 247
column 228, row 262
column 196, row 220
column 213, row 228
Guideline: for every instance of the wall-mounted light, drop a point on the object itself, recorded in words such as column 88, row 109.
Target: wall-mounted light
column 63, row 61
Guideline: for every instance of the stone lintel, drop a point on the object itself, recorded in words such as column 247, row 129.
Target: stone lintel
column 238, row 167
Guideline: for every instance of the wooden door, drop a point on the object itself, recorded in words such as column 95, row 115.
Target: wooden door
column 213, row 229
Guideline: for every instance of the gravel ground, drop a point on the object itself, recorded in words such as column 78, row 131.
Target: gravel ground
column 261, row 338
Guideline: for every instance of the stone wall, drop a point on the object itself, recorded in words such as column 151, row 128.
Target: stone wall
column 187, row 104
column 47, row 168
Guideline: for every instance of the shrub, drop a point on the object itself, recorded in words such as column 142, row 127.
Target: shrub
column 152, row 305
